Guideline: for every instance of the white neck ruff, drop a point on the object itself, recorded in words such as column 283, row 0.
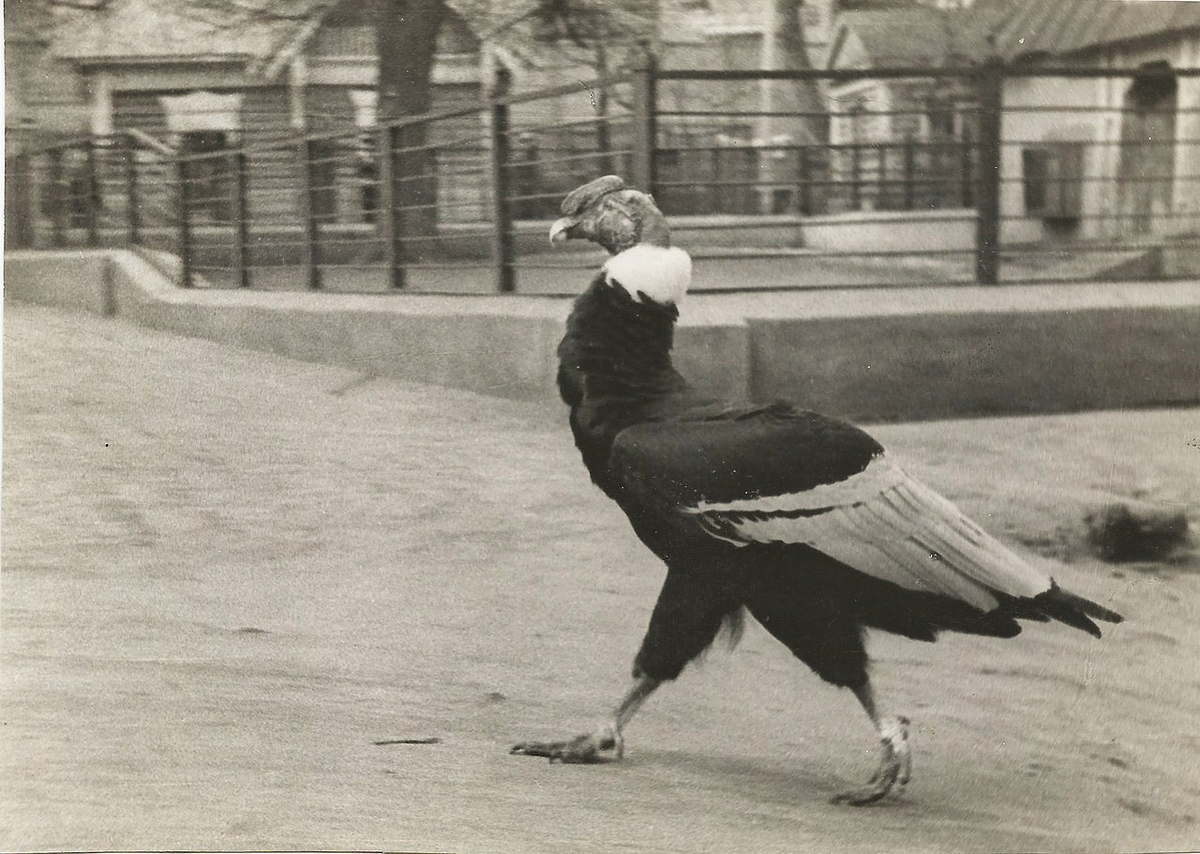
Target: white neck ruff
column 662, row 273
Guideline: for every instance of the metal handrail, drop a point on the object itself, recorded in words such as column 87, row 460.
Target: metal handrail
column 387, row 183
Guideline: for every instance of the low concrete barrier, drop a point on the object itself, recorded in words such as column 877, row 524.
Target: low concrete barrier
column 896, row 231
column 919, row 366
column 871, row 355
column 76, row 281
column 462, row 342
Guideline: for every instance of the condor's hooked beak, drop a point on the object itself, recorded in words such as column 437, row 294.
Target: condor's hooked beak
column 560, row 232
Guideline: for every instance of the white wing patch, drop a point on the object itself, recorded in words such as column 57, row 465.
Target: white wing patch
column 879, row 475
column 885, row 524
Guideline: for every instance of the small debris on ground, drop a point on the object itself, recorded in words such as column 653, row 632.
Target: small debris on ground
column 386, row 741
column 1134, row 530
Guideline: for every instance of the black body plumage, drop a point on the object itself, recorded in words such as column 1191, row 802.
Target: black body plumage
column 696, row 476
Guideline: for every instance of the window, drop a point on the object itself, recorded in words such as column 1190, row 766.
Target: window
column 941, row 122
column 1052, row 179
column 1034, row 168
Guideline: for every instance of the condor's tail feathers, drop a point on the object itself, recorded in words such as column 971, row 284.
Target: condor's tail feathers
column 1058, row 604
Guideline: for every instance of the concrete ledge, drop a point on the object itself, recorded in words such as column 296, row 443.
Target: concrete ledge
column 872, row 355
column 898, row 231
column 438, row 340
column 943, row 365
column 462, row 342
column 75, row 281
column 716, row 358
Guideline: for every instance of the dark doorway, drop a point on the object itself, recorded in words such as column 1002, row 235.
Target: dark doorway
column 326, row 154
column 212, row 184
column 1146, row 170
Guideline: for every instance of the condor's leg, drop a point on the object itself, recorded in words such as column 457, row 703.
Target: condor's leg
column 817, row 625
column 895, row 766
column 686, row 618
column 606, row 742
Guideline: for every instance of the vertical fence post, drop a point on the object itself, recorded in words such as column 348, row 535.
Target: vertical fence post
column 713, row 196
column 910, row 176
column 312, row 235
column 883, row 193
column 855, row 176
column 22, row 188
column 805, row 181
column 133, row 214
column 645, row 124
column 965, row 172
column 502, row 232
column 58, row 199
column 388, row 141
column 241, row 218
column 987, row 221
column 185, row 223
column 92, row 197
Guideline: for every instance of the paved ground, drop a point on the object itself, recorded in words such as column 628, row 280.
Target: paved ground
column 227, row 576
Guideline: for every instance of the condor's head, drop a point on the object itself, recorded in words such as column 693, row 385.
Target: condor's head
column 607, row 212
column 630, row 226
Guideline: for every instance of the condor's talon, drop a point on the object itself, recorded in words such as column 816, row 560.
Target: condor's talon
column 895, row 768
column 905, row 755
column 604, row 745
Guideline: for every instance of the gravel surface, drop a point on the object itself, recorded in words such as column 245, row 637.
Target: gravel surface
column 227, row 577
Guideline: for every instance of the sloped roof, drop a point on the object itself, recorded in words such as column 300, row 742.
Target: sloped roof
column 255, row 31
column 919, row 36
column 513, row 25
column 915, row 37
column 26, row 22
column 1063, row 28
column 142, row 30
column 265, row 33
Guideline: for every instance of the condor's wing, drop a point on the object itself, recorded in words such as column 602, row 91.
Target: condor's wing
column 786, row 476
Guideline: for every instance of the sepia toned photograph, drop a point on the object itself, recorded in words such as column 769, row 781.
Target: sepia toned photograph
column 581, row 426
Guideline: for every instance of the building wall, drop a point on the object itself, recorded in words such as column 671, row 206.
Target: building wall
column 44, row 99
column 1033, row 115
column 1093, row 118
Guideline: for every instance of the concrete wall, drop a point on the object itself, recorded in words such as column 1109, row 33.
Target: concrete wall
column 1034, row 113
column 897, row 231
column 1087, row 110
column 917, row 366
column 76, row 281
column 448, row 341
column 899, row 354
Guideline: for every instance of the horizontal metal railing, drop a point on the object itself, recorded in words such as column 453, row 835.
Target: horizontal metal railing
column 980, row 182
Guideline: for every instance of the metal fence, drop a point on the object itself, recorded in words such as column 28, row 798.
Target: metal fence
column 796, row 179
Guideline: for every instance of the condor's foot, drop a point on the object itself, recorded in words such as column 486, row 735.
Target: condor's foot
column 604, row 745
column 894, row 769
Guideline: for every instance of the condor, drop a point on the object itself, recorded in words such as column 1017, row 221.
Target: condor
column 798, row 518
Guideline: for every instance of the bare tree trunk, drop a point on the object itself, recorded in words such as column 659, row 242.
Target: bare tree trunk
column 603, row 131
column 791, row 54
column 791, row 96
column 406, row 40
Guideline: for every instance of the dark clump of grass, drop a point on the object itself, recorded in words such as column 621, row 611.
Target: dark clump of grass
column 1124, row 532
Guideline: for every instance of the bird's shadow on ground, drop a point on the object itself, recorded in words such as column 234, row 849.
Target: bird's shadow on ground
column 760, row 783
column 804, row 791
